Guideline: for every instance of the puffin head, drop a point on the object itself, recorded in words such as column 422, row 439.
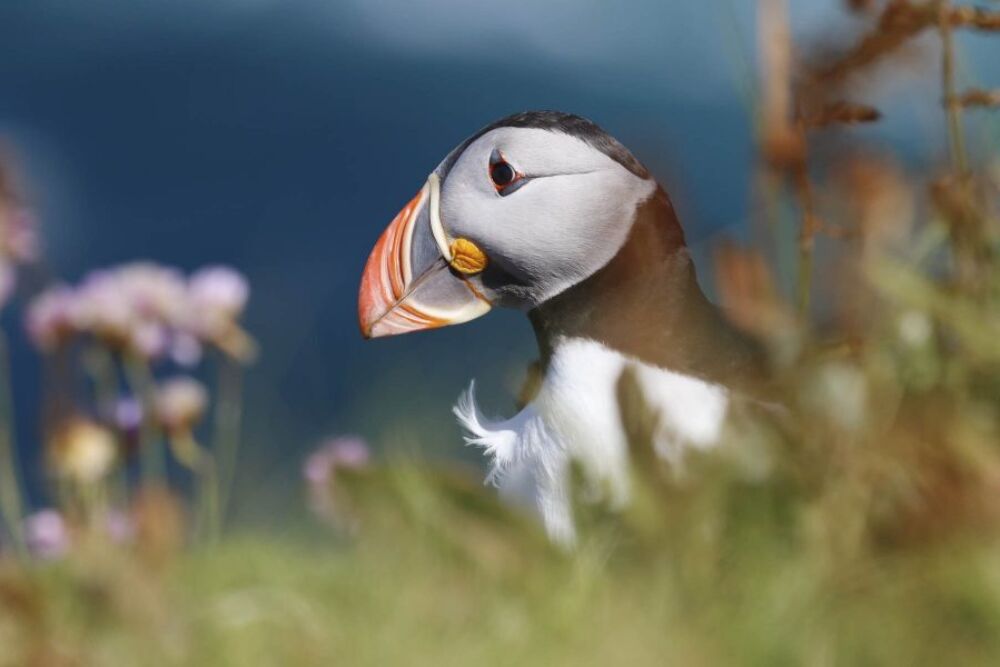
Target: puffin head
column 515, row 215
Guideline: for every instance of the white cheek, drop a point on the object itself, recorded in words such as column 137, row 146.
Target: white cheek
column 555, row 230
column 572, row 225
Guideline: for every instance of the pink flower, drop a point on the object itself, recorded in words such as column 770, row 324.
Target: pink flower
column 218, row 291
column 102, row 307
column 21, row 236
column 185, row 349
column 154, row 292
column 147, row 309
column 49, row 535
column 320, row 472
column 126, row 416
column 49, row 320
column 217, row 296
column 346, row 452
column 46, row 534
column 180, row 403
column 119, row 527
column 137, row 306
column 150, row 339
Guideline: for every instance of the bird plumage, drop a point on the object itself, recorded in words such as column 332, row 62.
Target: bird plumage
column 589, row 245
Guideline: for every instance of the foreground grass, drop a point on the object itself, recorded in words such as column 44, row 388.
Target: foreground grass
column 437, row 573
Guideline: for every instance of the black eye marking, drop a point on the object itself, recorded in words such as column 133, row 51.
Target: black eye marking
column 505, row 178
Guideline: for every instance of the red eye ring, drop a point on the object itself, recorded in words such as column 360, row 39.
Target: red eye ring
column 502, row 173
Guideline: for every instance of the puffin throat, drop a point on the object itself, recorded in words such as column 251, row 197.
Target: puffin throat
column 646, row 303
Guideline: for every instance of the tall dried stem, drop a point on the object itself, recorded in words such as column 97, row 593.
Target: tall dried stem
column 228, row 415
column 953, row 110
column 10, row 478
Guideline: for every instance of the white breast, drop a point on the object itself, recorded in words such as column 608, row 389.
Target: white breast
column 576, row 417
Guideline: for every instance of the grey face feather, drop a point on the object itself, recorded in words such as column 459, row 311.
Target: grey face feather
column 566, row 222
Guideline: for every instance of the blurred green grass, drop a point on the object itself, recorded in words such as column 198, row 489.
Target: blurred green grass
column 440, row 574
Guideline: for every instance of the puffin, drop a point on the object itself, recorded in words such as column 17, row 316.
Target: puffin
column 545, row 212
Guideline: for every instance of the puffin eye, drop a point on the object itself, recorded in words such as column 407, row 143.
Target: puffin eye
column 503, row 174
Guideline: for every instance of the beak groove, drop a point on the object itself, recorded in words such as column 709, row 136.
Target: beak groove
column 392, row 300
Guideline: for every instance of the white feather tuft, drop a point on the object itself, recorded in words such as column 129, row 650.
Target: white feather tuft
column 498, row 440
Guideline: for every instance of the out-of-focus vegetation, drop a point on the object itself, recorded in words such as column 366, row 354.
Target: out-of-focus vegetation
column 855, row 523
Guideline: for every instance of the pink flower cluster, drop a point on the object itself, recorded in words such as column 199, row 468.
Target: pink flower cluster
column 49, row 534
column 320, row 471
column 345, row 452
column 146, row 309
column 18, row 242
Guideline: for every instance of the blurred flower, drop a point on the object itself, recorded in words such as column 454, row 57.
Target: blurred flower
column 49, row 319
column 838, row 392
column 20, row 238
column 149, row 339
column 320, row 471
column 216, row 298
column 915, row 328
column 218, row 294
column 185, row 349
column 156, row 293
column 119, row 527
column 46, row 534
column 147, row 309
column 126, row 416
column 348, row 452
column 102, row 308
column 18, row 234
column 83, row 450
column 134, row 306
column 180, row 403
column 49, row 535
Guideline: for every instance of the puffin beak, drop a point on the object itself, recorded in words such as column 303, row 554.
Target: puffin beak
column 415, row 279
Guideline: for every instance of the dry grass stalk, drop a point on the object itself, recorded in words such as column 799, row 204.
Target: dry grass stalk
column 900, row 21
column 748, row 292
column 956, row 133
column 861, row 6
column 976, row 97
column 783, row 132
column 874, row 197
column 976, row 18
column 842, row 113
column 781, row 140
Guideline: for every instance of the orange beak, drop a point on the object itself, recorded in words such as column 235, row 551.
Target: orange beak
column 408, row 284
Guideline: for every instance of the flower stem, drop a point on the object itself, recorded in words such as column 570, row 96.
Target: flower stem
column 228, row 414
column 10, row 481
column 809, row 226
column 187, row 451
column 100, row 364
column 140, row 379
